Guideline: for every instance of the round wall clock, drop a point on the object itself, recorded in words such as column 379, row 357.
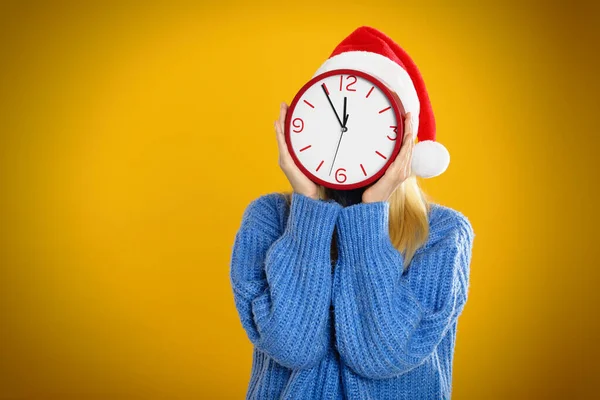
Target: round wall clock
column 343, row 129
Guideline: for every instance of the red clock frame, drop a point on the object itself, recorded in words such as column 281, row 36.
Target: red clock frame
column 397, row 106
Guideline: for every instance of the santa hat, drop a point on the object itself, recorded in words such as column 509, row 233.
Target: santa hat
column 371, row 51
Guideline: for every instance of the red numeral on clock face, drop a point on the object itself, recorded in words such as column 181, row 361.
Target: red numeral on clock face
column 395, row 131
column 349, row 77
column 339, row 175
column 299, row 126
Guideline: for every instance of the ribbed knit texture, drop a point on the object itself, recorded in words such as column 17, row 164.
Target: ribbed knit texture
column 367, row 330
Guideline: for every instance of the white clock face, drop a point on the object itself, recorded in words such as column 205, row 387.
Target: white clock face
column 342, row 129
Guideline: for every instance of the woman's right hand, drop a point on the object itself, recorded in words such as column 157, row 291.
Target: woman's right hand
column 300, row 182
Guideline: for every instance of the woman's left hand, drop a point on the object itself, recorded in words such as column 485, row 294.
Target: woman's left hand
column 398, row 171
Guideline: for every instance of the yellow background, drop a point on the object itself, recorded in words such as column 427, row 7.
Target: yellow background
column 132, row 137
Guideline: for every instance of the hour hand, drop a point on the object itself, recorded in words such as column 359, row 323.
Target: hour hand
column 345, row 115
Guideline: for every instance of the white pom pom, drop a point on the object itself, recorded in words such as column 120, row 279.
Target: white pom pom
column 429, row 159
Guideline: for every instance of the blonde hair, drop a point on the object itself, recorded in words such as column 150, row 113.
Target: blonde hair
column 408, row 219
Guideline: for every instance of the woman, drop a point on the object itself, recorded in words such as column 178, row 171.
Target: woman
column 380, row 324
column 356, row 294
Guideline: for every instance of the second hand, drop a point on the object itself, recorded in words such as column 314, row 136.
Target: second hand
column 344, row 129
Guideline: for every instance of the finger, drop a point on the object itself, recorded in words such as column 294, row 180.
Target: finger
column 404, row 151
column 395, row 174
column 403, row 145
column 396, row 171
column 390, row 175
column 409, row 128
column 282, row 113
column 279, row 134
column 281, row 143
column 407, row 142
column 411, row 140
column 411, row 143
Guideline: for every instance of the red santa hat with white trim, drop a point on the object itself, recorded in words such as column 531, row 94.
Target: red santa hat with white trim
column 371, row 51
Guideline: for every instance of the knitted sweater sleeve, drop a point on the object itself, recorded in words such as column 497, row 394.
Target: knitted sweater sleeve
column 281, row 278
column 388, row 321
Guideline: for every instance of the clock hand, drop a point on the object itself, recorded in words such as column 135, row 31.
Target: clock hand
column 344, row 129
column 331, row 104
column 345, row 115
column 336, row 151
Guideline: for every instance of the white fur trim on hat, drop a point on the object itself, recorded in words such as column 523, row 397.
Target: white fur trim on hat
column 389, row 72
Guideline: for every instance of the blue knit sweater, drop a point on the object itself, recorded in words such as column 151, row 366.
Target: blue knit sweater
column 365, row 329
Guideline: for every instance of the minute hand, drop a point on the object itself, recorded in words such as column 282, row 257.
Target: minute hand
column 331, row 104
